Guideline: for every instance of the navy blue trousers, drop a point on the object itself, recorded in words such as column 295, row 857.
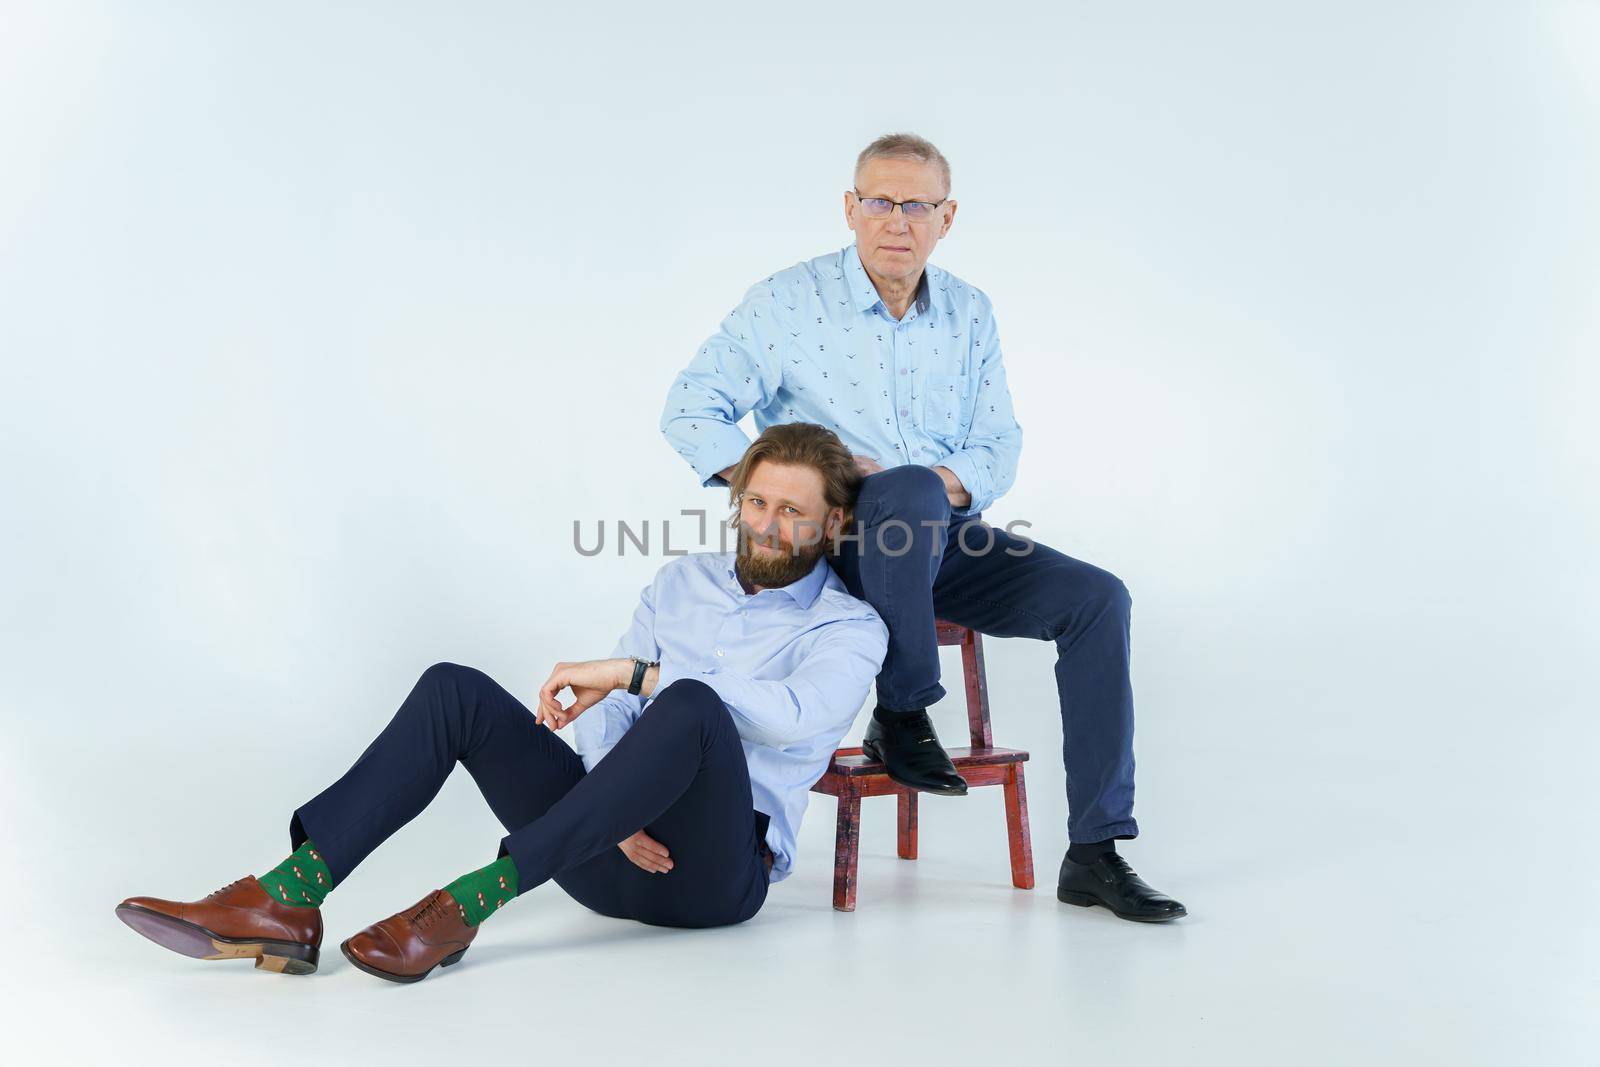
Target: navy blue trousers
column 915, row 562
column 679, row 774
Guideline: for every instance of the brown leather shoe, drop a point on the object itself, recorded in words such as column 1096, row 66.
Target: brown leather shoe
column 238, row 921
column 406, row 947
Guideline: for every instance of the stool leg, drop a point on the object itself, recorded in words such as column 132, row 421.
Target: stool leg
column 907, row 811
column 846, row 851
column 1017, row 828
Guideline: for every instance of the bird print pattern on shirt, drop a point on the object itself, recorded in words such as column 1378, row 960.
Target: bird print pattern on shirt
column 950, row 407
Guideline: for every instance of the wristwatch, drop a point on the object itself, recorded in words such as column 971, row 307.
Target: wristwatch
column 640, row 666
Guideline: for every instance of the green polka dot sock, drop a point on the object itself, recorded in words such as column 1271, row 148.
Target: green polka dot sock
column 483, row 892
column 301, row 881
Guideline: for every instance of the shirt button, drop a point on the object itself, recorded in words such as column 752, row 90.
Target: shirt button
column 904, row 413
column 719, row 651
column 902, row 370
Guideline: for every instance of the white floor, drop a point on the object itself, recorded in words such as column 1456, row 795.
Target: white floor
column 1349, row 903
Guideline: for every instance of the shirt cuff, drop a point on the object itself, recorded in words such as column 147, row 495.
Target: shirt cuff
column 669, row 673
column 724, row 445
column 963, row 466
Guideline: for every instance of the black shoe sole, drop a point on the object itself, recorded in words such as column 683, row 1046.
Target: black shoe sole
column 870, row 749
column 196, row 942
column 1089, row 900
column 404, row 979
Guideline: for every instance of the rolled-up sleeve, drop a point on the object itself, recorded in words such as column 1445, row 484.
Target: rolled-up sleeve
column 603, row 725
column 987, row 460
column 819, row 698
column 737, row 370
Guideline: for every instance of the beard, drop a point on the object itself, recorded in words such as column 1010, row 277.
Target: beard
column 789, row 565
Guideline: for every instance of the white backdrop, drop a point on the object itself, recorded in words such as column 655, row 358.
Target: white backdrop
column 319, row 328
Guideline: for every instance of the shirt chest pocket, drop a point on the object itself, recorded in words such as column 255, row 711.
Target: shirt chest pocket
column 944, row 404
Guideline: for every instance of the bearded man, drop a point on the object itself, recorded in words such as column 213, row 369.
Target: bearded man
column 698, row 740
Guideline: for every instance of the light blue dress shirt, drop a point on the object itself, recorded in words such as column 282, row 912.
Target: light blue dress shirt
column 814, row 343
column 793, row 666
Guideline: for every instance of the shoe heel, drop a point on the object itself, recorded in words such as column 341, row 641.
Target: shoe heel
column 453, row 958
column 1082, row 900
column 288, row 959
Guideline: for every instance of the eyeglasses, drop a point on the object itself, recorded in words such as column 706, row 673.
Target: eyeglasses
column 876, row 207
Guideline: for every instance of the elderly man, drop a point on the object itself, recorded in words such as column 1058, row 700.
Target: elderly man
column 698, row 742
column 902, row 359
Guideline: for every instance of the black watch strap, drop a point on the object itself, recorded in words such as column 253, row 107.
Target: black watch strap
column 640, row 666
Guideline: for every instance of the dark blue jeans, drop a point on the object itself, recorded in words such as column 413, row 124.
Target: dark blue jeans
column 916, row 562
column 679, row 774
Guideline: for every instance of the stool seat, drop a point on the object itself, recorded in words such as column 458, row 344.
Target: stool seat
column 853, row 763
column 852, row 775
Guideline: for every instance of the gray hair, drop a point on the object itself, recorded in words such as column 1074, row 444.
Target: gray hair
column 906, row 146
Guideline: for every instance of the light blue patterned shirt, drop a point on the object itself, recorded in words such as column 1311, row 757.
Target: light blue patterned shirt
column 793, row 666
column 814, row 343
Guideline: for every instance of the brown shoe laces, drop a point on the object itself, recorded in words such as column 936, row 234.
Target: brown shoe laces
column 429, row 911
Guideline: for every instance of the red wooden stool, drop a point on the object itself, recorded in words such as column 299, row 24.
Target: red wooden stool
column 853, row 775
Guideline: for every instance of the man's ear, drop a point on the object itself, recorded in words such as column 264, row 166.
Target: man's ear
column 849, row 212
column 835, row 523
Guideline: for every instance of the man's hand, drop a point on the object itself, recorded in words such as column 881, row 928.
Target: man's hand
column 954, row 491
column 646, row 852
column 589, row 680
column 866, row 464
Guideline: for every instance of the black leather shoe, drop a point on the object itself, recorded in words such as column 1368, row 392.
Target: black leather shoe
column 1111, row 883
column 910, row 751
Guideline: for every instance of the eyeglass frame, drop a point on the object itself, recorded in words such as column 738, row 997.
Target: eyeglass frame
column 901, row 204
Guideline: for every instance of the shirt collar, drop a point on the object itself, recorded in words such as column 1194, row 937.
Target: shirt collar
column 865, row 294
column 803, row 592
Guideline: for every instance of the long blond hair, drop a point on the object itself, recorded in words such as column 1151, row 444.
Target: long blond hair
column 803, row 444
